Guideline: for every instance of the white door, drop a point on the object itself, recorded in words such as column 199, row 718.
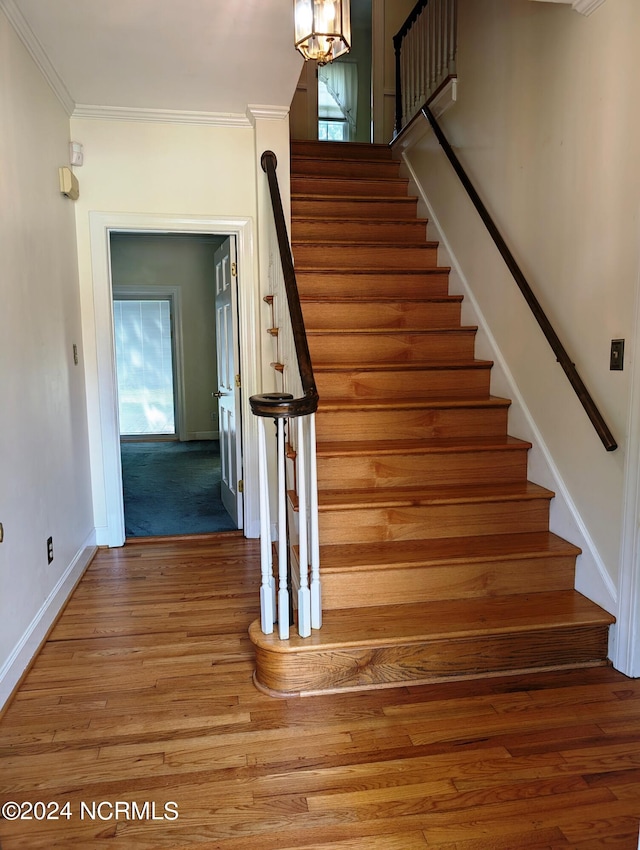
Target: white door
column 228, row 393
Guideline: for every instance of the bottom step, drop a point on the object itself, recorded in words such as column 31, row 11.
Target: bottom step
column 358, row 649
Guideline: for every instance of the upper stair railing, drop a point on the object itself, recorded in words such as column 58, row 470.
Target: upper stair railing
column 559, row 350
column 294, row 492
column 425, row 49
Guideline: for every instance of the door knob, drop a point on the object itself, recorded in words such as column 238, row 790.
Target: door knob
column 217, row 395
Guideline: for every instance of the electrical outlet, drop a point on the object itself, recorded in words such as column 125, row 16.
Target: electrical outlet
column 49, row 549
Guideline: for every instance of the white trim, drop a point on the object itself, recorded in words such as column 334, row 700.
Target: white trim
column 377, row 73
column 255, row 112
column 174, row 295
column 37, row 53
column 585, row 7
column 445, row 98
column 31, row 641
column 160, row 116
column 626, row 649
column 591, row 562
column 101, row 224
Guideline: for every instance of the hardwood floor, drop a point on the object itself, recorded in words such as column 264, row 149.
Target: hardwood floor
column 143, row 694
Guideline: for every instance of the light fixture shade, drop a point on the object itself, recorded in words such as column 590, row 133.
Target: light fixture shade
column 322, row 29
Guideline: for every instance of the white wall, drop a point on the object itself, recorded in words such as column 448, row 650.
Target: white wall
column 547, row 129
column 180, row 173
column 44, row 480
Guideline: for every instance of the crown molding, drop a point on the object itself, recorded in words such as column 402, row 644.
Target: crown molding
column 266, row 113
column 161, row 116
column 37, row 52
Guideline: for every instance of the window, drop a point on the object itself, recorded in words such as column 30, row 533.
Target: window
column 333, row 131
column 337, row 101
column 144, row 365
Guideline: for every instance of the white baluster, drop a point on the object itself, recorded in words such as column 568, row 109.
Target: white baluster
column 316, row 588
column 283, row 590
column 267, row 587
column 304, row 595
column 422, row 34
column 432, row 47
column 453, row 24
column 441, row 46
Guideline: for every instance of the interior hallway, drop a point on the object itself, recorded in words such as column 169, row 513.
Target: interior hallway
column 143, row 694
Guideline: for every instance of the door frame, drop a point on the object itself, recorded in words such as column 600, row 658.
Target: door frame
column 107, row 477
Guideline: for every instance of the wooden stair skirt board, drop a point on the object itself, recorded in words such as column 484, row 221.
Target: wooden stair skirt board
column 432, row 642
column 436, row 557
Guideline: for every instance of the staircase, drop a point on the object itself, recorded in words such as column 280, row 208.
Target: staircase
column 436, row 557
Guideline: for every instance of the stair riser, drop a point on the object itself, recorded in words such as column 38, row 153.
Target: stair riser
column 327, row 255
column 425, row 522
column 437, row 346
column 340, row 150
column 343, row 187
column 425, row 384
column 367, row 230
column 372, row 472
column 412, row 424
column 401, row 207
column 378, row 314
column 417, row 285
column 398, row 585
column 316, row 167
column 370, row 667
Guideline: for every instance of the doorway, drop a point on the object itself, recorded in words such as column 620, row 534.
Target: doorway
column 164, row 291
column 105, row 439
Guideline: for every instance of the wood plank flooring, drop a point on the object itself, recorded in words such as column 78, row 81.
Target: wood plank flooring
column 143, row 694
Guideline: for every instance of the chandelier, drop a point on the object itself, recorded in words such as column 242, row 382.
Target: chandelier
column 322, row 29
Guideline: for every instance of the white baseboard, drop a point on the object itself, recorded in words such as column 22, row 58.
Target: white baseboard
column 27, row 647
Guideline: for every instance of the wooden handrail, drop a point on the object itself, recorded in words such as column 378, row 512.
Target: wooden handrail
column 547, row 329
column 279, row 405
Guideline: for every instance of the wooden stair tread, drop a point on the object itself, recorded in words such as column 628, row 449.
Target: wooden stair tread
column 442, row 620
column 347, row 300
column 339, row 178
column 412, row 404
column 360, row 243
column 433, row 445
column 315, row 196
column 437, row 495
column 342, row 150
column 353, row 557
column 314, row 157
column 405, row 366
column 390, row 331
column 360, row 270
column 362, row 219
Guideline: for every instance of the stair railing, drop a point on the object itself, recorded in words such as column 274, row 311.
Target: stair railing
column 552, row 338
column 293, row 491
column 425, row 50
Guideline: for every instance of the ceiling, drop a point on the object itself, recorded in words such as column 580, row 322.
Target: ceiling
column 209, row 56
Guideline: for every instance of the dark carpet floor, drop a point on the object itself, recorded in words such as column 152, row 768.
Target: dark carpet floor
column 172, row 488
